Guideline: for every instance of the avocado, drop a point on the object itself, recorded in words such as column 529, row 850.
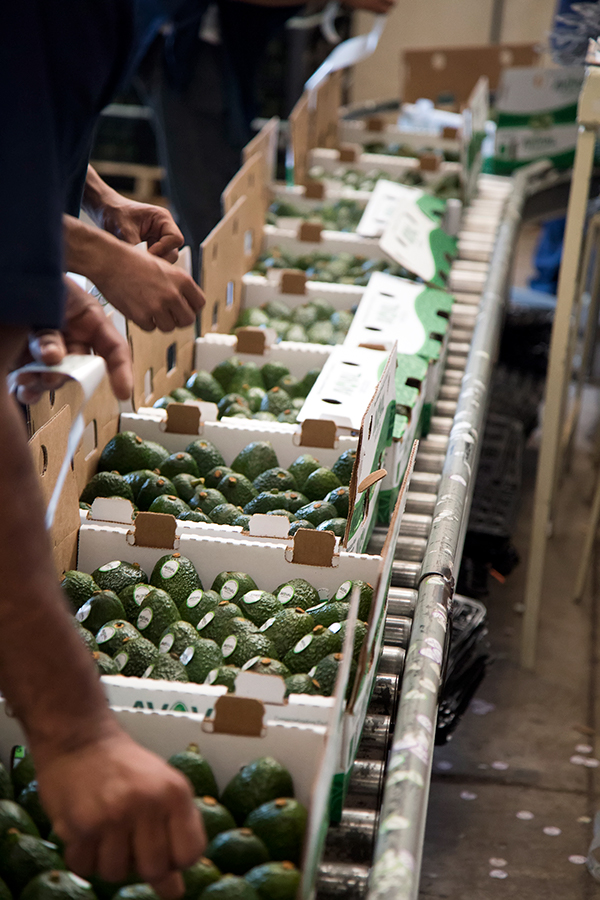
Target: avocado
column 182, row 395
column 248, row 375
column 199, row 658
column 258, row 606
column 283, row 512
column 301, row 683
column 302, row 467
column 288, row 416
column 229, row 400
column 297, row 592
column 207, row 499
column 252, row 316
column 255, row 458
column 111, row 636
column 344, row 592
column 6, row 788
column 225, row 514
column 258, row 782
column 193, row 515
column 233, row 585
column 166, row 668
column 29, row 800
column 224, row 675
column 131, row 597
column 136, row 479
column 343, row 466
column 23, row 856
column 197, row 770
column 242, row 521
column 340, row 498
column 55, row 885
column 237, row 489
column 162, row 402
column 216, row 818
column 136, row 892
column 117, row 575
column 152, row 488
column 187, row 485
column 237, row 851
column 286, row 628
column 216, row 475
column 275, row 479
column 326, row 672
column 197, row 605
column 275, row 880
column 77, row 588
column 224, row 371
column 86, row 636
column 264, row 502
column 177, row 637
column 126, row 452
column 243, row 644
column 100, row 609
column 311, row 649
column 231, row 887
column 281, row 825
column 291, row 385
column 104, row 663
column 106, row 484
column 199, row 876
column 298, row 524
column 204, row 386
column 14, row 816
column 206, row 455
column 272, row 372
column 22, row 769
column 336, row 525
column 360, row 633
column 254, row 397
column 320, row 482
column 264, row 665
column 156, row 612
column 179, row 464
column 316, row 512
column 135, row 655
column 321, row 333
column 262, row 416
column 294, row 500
column 176, row 575
column 275, row 401
column 329, row 612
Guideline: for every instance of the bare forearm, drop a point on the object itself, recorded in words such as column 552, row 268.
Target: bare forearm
column 90, row 251
column 45, row 671
column 97, row 194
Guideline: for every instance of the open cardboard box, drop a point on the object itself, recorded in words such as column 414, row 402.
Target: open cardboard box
column 237, row 731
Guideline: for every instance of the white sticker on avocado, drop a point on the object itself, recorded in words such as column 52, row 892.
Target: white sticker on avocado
column 140, row 592
column 229, row 645
column 267, row 624
column 194, row 599
column 77, row 880
column 170, row 568
column 343, row 590
column 319, row 606
column 187, row 655
column 82, row 614
column 335, row 627
column 303, row 643
column 286, row 593
column 148, row 671
column 212, row 676
column 166, row 643
column 205, row 620
column 312, row 671
column 229, row 589
column 107, row 567
column 105, row 634
column 121, row 660
column 251, row 662
column 252, row 596
column 144, row 618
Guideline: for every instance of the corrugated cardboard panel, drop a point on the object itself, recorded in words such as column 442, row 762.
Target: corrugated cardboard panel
column 248, row 182
column 161, row 362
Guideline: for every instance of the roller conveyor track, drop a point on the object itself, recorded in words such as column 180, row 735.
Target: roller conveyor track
column 353, row 845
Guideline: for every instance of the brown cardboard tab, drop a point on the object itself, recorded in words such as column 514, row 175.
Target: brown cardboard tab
column 155, row 530
column 315, row 190
column 310, row 231
column 183, row 418
column 429, row 162
column 375, row 123
column 251, row 340
column 371, row 479
column 318, row 433
column 373, row 346
column 313, row 548
column 238, row 715
column 293, row 281
column 449, row 133
column 348, row 153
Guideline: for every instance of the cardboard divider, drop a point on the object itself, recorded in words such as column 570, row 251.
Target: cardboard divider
column 299, row 124
column 160, row 361
column 248, row 182
column 250, row 345
column 265, row 144
column 313, row 548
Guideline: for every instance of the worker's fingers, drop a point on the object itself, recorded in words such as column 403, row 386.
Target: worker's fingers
column 80, row 856
column 151, row 846
column 193, row 294
column 47, row 347
column 171, row 887
column 187, row 834
column 114, row 860
column 167, row 247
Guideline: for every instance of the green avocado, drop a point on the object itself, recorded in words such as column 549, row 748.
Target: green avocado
column 258, row 782
column 237, row 851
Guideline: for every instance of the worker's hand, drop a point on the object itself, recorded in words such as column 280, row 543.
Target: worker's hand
column 148, row 290
column 375, row 6
column 133, row 222
column 120, row 809
column 86, row 328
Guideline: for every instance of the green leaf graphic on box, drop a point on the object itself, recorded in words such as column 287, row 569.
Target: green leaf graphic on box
column 443, row 247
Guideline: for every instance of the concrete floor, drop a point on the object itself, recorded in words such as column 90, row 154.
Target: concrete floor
column 515, row 757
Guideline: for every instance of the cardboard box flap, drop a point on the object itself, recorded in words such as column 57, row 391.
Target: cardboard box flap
column 155, row 530
column 265, row 144
column 238, row 715
column 382, row 206
column 247, row 182
column 314, row 548
column 161, row 362
column 48, row 448
column 299, row 124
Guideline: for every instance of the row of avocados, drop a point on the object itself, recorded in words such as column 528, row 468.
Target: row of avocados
column 255, row 831
column 196, row 485
column 167, row 627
